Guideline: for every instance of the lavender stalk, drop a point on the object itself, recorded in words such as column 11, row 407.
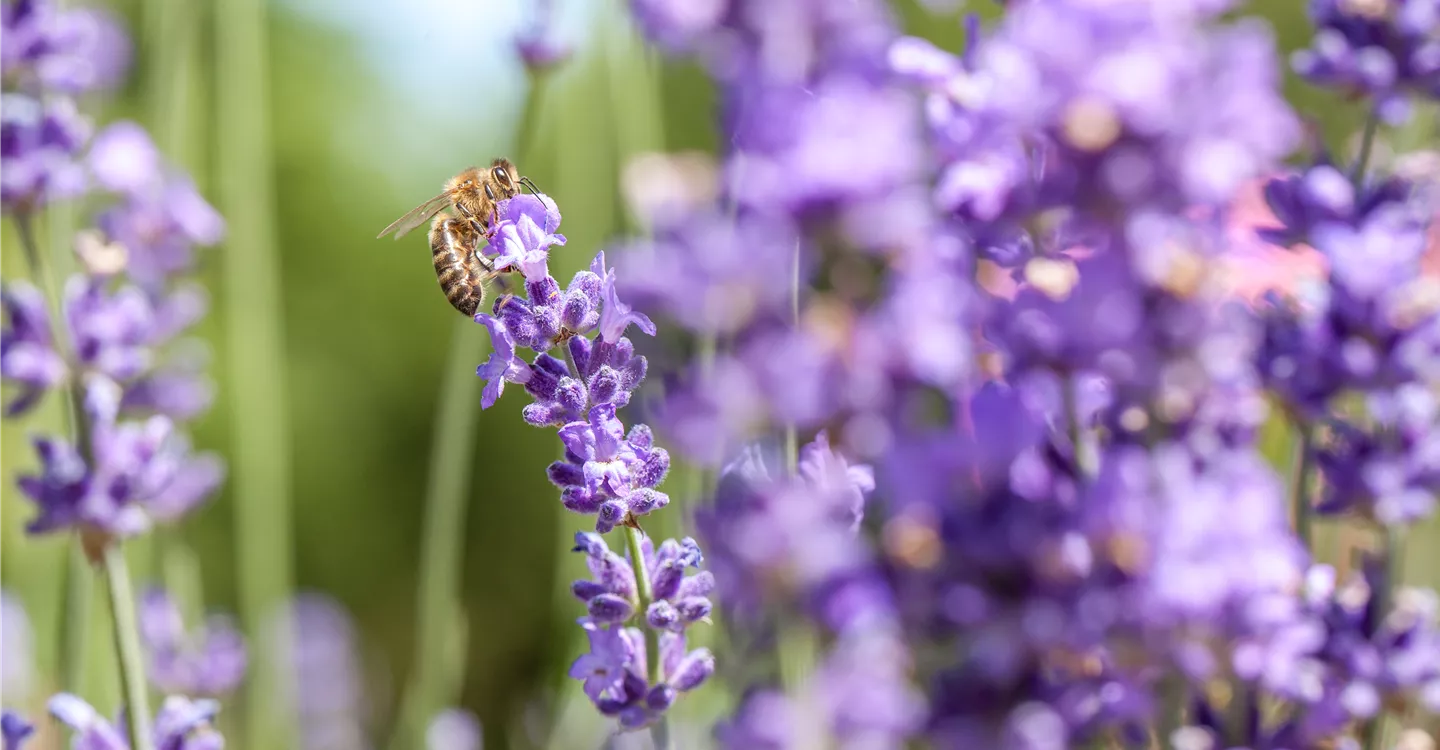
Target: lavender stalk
column 127, row 647
column 255, row 330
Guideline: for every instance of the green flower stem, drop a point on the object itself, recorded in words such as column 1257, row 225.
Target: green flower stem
column 79, row 582
column 255, row 330
column 1079, row 438
column 1367, row 147
column 1300, row 476
column 660, row 732
column 127, row 647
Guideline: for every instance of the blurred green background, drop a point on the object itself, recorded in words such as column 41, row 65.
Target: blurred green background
column 372, row 105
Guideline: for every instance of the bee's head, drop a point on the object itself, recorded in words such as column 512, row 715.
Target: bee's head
column 505, row 177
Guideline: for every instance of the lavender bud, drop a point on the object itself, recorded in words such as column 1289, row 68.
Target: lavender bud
column 542, row 291
column 665, row 581
column 604, row 386
column 662, row 616
column 565, row 474
column 580, row 352
column 693, row 609
column 657, row 465
column 696, row 668
column 610, row 609
column 612, row 512
column 641, row 436
column 580, row 499
column 660, row 698
column 632, row 373
column 646, row 500
column 586, row 590
column 576, row 312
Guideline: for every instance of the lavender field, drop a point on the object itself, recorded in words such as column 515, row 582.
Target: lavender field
column 855, row 374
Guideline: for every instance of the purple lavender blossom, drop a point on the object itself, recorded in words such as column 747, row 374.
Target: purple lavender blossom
column 103, row 485
column 677, row 602
column 538, row 45
column 605, row 472
column 210, row 661
column 1386, row 51
column 326, row 674
column 161, row 217
column 14, row 730
column 66, row 51
column 615, row 669
column 181, row 724
column 39, row 143
column 454, row 729
column 27, row 352
column 1360, row 659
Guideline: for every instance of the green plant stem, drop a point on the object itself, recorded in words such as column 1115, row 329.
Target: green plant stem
column 442, row 548
column 79, row 582
column 254, row 328
column 1367, row 147
column 127, row 647
column 1300, row 475
column 1079, row 439
column 660, row 732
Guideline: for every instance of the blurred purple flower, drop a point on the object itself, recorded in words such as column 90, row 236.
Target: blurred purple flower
column 1385, row 50
column 210, row 661
column 181, row 724
column 538, row 45
column 325, row 674
column 104, row 488
column 39, row 143
column 614, row 671
column 50, row 48
column 14, row 730
column 124, row 159
column 159, row 222
column 27, row 351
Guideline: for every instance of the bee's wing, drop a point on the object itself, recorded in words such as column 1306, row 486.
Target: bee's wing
column 417, row 216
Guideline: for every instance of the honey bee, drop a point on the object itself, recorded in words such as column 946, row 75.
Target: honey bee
column 462, row 270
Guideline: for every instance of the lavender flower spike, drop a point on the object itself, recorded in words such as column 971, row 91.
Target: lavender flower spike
column 210, row 661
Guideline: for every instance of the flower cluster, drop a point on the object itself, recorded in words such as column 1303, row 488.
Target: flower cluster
column 605, row 472
column 112, row 342
column 1073, row 521
column 50, row 56
column 615, row 669
column 1386, row 51
column 210, row 661
column 120, row 346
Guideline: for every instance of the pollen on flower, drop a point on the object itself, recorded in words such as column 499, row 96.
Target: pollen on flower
column 1090, row 124
column 830, row 322
column 1134, row 419
column 913, row 541
column 1055, row 277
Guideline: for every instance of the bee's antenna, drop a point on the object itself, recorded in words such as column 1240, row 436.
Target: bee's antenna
column 529, row 184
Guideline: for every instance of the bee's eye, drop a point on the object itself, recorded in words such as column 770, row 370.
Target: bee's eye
column 500, row 175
